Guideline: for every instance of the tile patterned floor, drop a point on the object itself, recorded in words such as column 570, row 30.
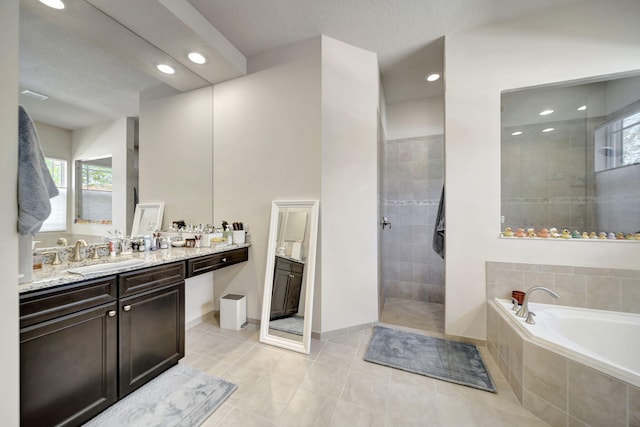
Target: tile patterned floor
column 334, row 386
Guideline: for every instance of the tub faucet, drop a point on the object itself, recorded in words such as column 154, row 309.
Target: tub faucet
column 77, row 255
column 524, row 310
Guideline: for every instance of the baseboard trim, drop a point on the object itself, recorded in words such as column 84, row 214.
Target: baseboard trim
column 323, row 336
column 214, row 314
column 200, row 319
column 466, row 340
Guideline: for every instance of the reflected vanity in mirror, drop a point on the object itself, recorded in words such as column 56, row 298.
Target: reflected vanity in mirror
column 571, row 156
column 287, row 305
column 147, row 218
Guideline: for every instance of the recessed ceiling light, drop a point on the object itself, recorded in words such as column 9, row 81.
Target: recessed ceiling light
column 34, row 95
column 548, row 130
column 546, row 112
column 584, row 107
column 165, row 69
column 197, row 58
column 432, row 77
column 56, row 4
column 516, row 133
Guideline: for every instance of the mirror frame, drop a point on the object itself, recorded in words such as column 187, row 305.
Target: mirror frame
column 140, row 208
column 309, row 280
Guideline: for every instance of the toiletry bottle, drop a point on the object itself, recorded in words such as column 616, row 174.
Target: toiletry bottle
column 147, row 242
column 228, row 235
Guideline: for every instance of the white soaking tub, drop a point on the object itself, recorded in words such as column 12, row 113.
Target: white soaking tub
column 603, row 340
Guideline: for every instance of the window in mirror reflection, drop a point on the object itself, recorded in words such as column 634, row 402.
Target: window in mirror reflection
column 618, row 141
column 57, row 220
column 582, row 175
column 94, row 184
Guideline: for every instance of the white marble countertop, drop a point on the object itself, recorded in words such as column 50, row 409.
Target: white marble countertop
column 288, row 258
column 55, row 275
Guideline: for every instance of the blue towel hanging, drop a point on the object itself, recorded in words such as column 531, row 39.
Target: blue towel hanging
column 35, row 184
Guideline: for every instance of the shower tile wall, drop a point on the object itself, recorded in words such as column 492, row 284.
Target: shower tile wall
column 412, row 182
column 548, row 178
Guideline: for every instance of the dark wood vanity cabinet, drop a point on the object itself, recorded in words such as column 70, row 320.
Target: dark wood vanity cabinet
column 287, row 286
column 215, row 261
column 151, row 324
column 68, row 353
column 85, row 345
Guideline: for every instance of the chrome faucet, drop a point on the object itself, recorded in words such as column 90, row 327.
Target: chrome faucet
column 524, row 310
column 77, row 255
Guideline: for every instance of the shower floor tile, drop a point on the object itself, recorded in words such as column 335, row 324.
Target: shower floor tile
column 413, row 314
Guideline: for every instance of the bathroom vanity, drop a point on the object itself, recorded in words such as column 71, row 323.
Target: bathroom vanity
column 86, row 343
column 287, row 286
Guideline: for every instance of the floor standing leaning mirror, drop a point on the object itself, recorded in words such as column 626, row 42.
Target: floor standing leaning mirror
column 289, row 278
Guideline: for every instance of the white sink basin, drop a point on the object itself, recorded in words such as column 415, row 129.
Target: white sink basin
column 106, row 267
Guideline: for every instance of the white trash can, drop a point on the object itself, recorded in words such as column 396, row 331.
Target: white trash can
column 233, row 312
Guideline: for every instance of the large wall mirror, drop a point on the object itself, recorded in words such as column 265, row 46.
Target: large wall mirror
column 289, row 278
column 571, row 156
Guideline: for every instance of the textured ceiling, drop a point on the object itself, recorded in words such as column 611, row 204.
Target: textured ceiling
column 95, row 57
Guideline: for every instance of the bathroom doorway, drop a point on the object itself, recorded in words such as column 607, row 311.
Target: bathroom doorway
column 413, row 286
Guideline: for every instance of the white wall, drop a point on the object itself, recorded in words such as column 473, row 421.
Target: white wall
column 266, row 147
column 348, row 208
column 175, row 155
column 103, row 140
column 588, row 39
column 302, row 125
column 9, row 356
column 423, row 117
column 198, row 298
column 55, row 141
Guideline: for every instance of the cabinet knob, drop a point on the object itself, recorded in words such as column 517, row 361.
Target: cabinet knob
column 126, row 308
column 112, row 313
column 224, row 260
column 292, row 276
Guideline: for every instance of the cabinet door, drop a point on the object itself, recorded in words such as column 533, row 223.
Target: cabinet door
column 68, row 367
column 151, row 335
column 279, row 293
column 293, row 294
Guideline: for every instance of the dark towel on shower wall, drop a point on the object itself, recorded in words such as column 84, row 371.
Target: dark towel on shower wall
column 439, row 228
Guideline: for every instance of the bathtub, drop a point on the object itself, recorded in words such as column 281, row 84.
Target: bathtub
column 603, row 340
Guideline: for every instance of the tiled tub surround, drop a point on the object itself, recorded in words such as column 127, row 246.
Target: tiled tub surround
column 411, row 185
column 600, row 288
column 550, row 384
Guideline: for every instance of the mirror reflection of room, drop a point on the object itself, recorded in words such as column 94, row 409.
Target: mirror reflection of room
column 287, row 313
column 287, row 305
column 571, row 158
column 94, row 183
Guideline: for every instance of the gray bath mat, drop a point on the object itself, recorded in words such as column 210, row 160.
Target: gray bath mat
column 181, row 396
column 292, row 325
column 446, row 360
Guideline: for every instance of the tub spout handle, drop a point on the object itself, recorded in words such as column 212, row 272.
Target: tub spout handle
column 524, row 310
column 530, row 318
